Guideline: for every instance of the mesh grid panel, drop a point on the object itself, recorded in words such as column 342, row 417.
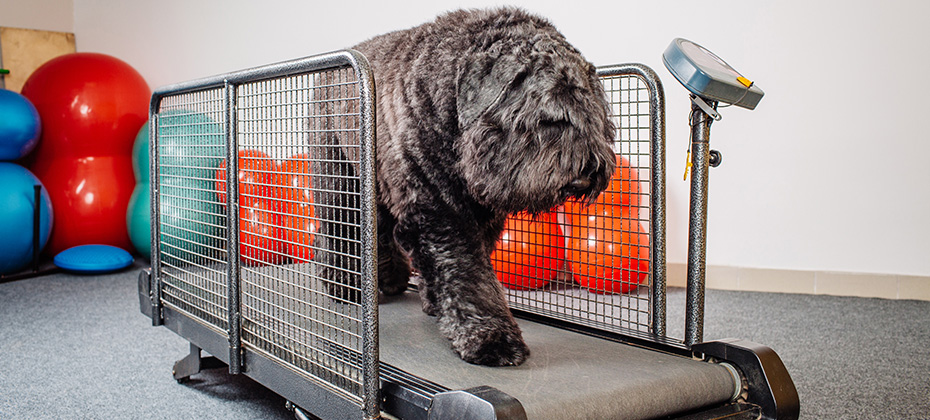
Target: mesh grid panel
column 190, row 146
column 286, row 128
column 591, row 265
column 294, row 210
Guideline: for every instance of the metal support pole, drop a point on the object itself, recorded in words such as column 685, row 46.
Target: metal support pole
column 155, row 223
column 697, row 236
column 36, row 224
column 371, row 400
column 232, row 232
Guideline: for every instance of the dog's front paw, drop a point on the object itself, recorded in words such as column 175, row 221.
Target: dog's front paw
column 500, row 346
column 428, row 301
column 393, row 289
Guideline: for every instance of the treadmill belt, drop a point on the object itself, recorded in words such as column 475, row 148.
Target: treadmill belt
column 568, row 375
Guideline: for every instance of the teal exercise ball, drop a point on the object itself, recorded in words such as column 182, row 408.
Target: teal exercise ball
column 193, row 222
column 139, row 219
column 140, row 155
column 139, row 210
column 17, row 210
column 191, row 144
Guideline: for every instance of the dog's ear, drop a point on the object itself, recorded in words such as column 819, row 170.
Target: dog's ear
column 482, row 82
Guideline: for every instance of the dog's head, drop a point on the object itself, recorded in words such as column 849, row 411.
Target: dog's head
column 535, row 126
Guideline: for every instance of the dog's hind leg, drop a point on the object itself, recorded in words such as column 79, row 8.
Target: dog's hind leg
column 393, row 264
column 337, row 199
column 337, row 240
column 462, row 288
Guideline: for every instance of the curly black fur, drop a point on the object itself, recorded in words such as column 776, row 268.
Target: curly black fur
column 481, row 113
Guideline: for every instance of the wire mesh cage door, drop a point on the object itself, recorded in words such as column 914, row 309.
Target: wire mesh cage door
column 601, row 266
column 263, row 222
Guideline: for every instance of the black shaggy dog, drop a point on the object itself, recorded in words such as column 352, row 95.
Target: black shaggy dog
column 479, row 114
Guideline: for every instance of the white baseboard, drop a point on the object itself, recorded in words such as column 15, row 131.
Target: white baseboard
column 886, row 286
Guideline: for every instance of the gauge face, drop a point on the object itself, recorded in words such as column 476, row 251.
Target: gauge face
column 708, row 76
column 704, row 58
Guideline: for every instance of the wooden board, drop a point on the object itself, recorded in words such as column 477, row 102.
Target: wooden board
column 24, row 50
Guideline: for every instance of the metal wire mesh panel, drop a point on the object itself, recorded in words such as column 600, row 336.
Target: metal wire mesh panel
column 190, row 146
column 592, row 265
column 289, row 130
column 264, row 216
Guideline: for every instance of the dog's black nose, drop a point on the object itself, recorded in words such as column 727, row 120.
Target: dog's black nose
column 581, row 184
column 578, row 185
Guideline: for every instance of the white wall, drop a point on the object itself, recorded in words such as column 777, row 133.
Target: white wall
column 46, row 15
column 829, row 173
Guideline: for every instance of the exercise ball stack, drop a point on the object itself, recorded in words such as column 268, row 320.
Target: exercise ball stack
column 92, row 106
column 20, row 212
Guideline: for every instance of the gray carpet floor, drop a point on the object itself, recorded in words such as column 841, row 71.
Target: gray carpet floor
column 77, row 347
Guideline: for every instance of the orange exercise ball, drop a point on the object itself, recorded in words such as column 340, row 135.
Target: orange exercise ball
column 255, row 172
column 529, row 251
column 261, row 237
column 292, row 178
column 608, row 253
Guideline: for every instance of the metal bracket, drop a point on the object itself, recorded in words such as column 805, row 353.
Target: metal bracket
column 709, row 110
column 149, row 304
column 193, row 363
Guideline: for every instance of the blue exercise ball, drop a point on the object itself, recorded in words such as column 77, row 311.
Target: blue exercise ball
column 20, row 126
column 17, row 209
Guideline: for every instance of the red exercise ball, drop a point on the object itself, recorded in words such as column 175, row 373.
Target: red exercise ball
column 529, row 252
column 624, row 187
column 255, row 176
column 90, row 196
column 92, row 106
column 261, row 238
column 608, row 254
column 293, row 177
